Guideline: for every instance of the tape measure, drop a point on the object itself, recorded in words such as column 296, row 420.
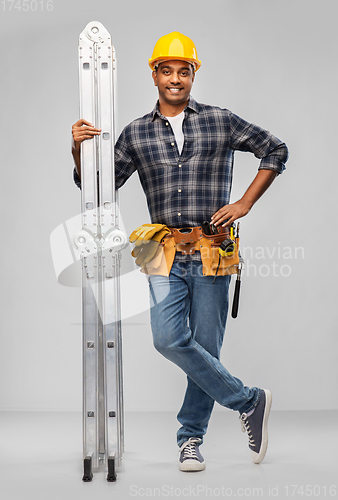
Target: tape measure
column 227, row 248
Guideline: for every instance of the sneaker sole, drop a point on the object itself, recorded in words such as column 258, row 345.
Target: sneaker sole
column 191, row 466
column 258, row 457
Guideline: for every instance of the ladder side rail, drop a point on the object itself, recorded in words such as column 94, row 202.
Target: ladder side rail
column 107, row 225
column 111, row 361
column 89, row 204
column 110, row 269
column 101, row 328
column 119, row 374
column 90, row 370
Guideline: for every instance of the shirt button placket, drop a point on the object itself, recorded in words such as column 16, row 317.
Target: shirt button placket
column 179, row 190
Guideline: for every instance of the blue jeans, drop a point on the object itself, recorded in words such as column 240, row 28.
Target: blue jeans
column 188, row 317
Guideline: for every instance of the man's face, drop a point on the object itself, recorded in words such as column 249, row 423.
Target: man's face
column 174, row 80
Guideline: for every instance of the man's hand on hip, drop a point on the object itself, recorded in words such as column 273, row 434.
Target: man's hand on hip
column 230, row 213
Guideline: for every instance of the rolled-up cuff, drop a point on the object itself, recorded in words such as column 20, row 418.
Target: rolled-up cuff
column 76, row 179
column 276, row 159
column 269, row 164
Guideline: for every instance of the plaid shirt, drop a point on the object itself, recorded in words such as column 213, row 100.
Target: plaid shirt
column 185, row 190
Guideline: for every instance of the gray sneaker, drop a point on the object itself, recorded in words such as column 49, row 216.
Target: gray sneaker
column 256, row 425
column 190, row 456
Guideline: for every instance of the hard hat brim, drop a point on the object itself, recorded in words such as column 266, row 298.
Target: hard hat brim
column 194, row 62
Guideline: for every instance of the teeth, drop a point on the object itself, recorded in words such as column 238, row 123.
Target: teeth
column 174, row 90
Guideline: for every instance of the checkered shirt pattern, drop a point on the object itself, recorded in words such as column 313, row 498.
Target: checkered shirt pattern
column 185, row 190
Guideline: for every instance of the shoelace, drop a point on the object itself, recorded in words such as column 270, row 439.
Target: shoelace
column 245, row 425
column 189, row 448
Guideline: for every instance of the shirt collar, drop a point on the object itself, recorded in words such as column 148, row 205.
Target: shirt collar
column 192, row 104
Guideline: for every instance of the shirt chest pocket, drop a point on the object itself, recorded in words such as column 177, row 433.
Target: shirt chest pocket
column 209, row 147
column 205, row 155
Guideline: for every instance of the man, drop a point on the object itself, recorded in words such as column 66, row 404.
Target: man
column 183, row 152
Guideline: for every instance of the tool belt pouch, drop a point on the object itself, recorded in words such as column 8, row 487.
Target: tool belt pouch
column 163, row 260
column 150, row 253
column 209, row 248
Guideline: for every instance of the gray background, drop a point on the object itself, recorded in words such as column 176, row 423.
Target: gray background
column 273, row 63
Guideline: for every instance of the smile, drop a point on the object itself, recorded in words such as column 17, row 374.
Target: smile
column 174, row 90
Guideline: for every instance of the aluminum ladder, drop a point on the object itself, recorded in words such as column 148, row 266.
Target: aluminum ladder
column 100, row 242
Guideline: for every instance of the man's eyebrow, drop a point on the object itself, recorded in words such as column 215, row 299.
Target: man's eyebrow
column 180, row 69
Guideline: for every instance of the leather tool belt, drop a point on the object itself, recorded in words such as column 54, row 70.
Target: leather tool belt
column 188, row 241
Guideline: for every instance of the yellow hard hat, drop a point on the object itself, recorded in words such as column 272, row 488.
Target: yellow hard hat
column 174, row 46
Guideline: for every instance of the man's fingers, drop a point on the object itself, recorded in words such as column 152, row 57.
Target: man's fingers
column 229, row 222
column 86, row 127
column 81, row 122
column 229, row 218
column 227, row 214
column 221, row 211
column 220, row 215
column 86, row 130
column 82, row 138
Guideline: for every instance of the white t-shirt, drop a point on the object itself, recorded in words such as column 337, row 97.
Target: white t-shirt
column 176, row 124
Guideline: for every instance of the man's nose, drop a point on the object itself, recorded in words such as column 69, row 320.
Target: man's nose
column 175, row 77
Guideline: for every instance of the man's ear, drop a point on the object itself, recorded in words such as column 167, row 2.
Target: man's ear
column 154, row 75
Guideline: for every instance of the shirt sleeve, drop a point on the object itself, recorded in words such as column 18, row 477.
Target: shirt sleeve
column 124, row 164
column 246, row 136
column 76, row 178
